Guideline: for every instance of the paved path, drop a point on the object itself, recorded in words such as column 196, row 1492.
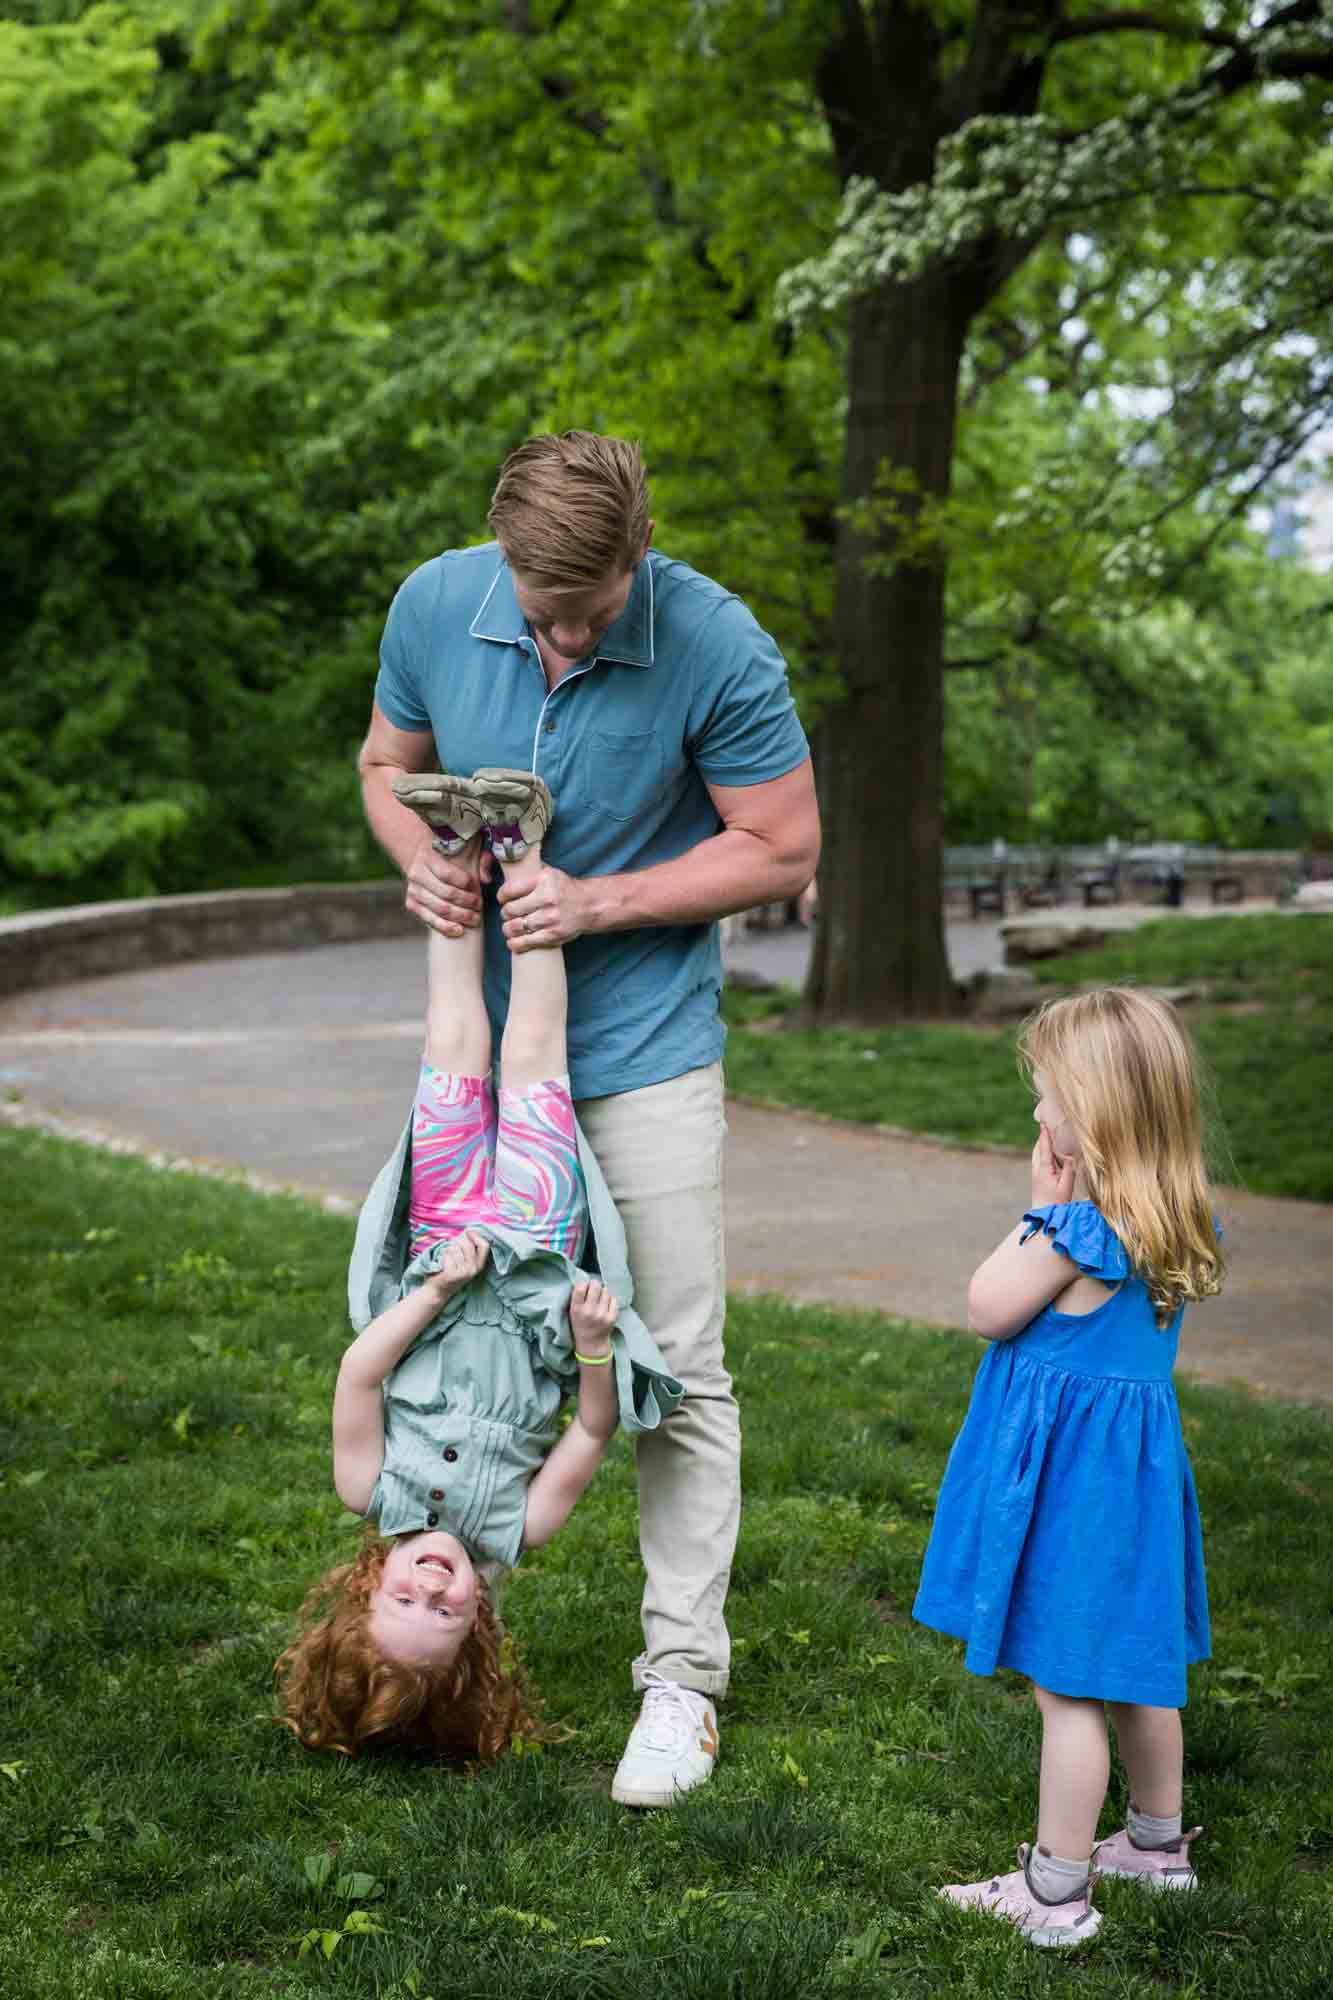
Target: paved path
column 298, row 1067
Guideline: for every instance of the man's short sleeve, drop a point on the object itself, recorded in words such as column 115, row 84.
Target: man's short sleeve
column 400, row 686
column 743, row 725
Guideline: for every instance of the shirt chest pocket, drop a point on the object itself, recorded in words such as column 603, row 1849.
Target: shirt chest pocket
column 622, row 775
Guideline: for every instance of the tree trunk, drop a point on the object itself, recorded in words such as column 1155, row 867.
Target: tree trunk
column 879, row 948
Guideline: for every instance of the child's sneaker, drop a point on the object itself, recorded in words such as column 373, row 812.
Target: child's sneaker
column 516, row 806
column 449, row 806
column 1013, row 1898
column 1155, row 1867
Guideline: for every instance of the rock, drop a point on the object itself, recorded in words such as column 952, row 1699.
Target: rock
column 1174, row 996
column 1027, row 941
column 1180, row 996
column 1002, row 996
column 1312, row 896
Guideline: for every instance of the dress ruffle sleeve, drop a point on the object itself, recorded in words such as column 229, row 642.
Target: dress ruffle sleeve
column 1081, row 1232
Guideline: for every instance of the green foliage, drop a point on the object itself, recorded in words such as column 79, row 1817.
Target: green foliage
column 279, row 285
column 207, row 410
column 1205, row 716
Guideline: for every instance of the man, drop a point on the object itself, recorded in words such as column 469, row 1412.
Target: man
column 658, row 713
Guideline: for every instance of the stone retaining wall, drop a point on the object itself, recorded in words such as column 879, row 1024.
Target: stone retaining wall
column 48, row 946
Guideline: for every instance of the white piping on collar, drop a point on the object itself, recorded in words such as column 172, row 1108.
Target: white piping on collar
column 498, row 639
column 472, row 631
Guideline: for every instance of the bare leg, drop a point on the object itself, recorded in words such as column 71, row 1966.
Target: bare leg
column 1075, row 1768
column 533, row 1047
column 458, row 1034
column 1152, row 1750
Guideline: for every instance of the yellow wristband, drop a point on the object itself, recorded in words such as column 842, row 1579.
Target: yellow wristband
column 592, row 1360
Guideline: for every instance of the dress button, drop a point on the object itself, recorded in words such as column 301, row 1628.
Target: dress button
column 550, row 729
column 437, row 1493
column 449, row 1455
column 431, row 1520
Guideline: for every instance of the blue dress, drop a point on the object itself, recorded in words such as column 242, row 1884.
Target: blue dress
column 1066, row 1540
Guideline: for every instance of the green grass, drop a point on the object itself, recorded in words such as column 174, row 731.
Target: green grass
column 165, row 1498
column 1264, row 1029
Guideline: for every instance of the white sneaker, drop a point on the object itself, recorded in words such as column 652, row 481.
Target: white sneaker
column 672, row 1746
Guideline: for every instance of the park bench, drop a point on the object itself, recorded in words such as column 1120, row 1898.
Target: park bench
column 990, row 878
column 1037, row 877
column 978, row 874
column 1225, row 883
column 1155, row 872
column 1167, row 868
column 1096, row 873
column 997, row 878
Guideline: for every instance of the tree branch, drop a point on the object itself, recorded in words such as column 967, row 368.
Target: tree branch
column 1142, row 24
column 985, row 665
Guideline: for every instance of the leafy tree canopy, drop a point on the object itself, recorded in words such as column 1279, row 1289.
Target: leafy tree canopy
column 280, row 283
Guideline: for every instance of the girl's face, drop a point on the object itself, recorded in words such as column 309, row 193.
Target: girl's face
column 426, row 1603
column 1050, row 1113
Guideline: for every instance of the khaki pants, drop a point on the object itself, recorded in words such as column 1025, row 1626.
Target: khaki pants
column 660, row 1149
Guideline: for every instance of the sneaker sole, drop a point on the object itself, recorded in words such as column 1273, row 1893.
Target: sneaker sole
column 641, row 1795
column 1062, row 1937
column 627, row 1795
column 1156, row 1883
column 1065, row 1939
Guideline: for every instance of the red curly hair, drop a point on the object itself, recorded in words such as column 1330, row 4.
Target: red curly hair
column 339, row 1692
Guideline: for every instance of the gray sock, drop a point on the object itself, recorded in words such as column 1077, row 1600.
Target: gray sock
column 1150, row 1833
column 1055, row 1879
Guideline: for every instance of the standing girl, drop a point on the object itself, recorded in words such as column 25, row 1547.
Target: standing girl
column 1066, row 1539
column 476, row 1321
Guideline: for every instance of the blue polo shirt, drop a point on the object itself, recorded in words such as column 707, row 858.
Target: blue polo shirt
column 685, row 688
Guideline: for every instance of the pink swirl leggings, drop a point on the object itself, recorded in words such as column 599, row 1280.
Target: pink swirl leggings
column 515, row 1166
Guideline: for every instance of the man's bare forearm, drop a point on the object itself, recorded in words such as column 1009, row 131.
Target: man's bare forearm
column 398, row 830
column 731, row 871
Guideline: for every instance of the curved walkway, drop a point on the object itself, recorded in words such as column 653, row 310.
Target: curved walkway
column 296, row 1067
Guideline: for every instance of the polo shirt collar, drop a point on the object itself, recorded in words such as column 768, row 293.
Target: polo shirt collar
column 629, row 640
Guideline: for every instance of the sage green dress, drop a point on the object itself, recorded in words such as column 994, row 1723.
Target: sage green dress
column 473, row 1407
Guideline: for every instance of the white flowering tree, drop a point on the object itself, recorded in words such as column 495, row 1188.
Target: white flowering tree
column 1167, row 158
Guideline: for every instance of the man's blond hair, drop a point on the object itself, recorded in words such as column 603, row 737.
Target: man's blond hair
column 569, row 510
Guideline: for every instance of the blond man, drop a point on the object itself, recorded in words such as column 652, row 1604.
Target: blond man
column 658, row 712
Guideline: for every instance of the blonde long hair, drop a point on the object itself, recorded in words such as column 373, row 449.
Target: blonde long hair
column 1123, row 1070
column 339, row 1692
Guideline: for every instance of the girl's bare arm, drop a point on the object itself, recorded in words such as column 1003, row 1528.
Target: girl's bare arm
column 1018, row 1279
column 593, row 1312
column 358, row 1399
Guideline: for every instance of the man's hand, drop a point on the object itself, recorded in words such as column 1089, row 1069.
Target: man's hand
column 442, row 892
column 549, row 910
column 1052, row 1177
